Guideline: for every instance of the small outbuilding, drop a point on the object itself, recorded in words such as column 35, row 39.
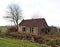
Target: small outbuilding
column 33, row 26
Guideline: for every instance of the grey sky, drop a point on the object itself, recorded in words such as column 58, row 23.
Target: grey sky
column 49, row 9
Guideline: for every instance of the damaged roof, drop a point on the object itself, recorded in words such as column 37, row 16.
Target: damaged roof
column 34, row 22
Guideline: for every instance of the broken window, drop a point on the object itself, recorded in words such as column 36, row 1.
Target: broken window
column 23, row 29
column 31, row 29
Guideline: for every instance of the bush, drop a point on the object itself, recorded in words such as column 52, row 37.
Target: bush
column 27, row 36
column 53, row 42
column 11, row 29
column 58, row 42
column 19, row 35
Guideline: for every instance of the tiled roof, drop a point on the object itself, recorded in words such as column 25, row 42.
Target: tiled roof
column 34, row 22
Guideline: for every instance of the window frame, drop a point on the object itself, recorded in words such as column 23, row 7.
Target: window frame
column 31, row 29
column 23, row 29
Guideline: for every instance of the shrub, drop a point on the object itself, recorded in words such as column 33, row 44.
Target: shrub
column 58, row 42
column 19, row 35
column 27, row 36
column 11, row 29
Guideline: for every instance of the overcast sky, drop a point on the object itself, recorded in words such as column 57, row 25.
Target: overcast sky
column 48, row 9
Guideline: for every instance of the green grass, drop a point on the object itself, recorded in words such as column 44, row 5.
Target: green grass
column 2, row 27
column 5, row 42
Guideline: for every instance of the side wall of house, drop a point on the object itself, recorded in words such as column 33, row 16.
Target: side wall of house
column 27, row 30
column 20, row 29
column 35, row 30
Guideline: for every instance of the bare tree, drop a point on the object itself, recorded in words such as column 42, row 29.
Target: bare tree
column 14, row 14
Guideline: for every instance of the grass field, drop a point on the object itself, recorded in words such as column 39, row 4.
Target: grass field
column 5, row 42
column 3, row 28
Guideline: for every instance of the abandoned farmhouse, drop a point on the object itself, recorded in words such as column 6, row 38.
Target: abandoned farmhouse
column 33, row 26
